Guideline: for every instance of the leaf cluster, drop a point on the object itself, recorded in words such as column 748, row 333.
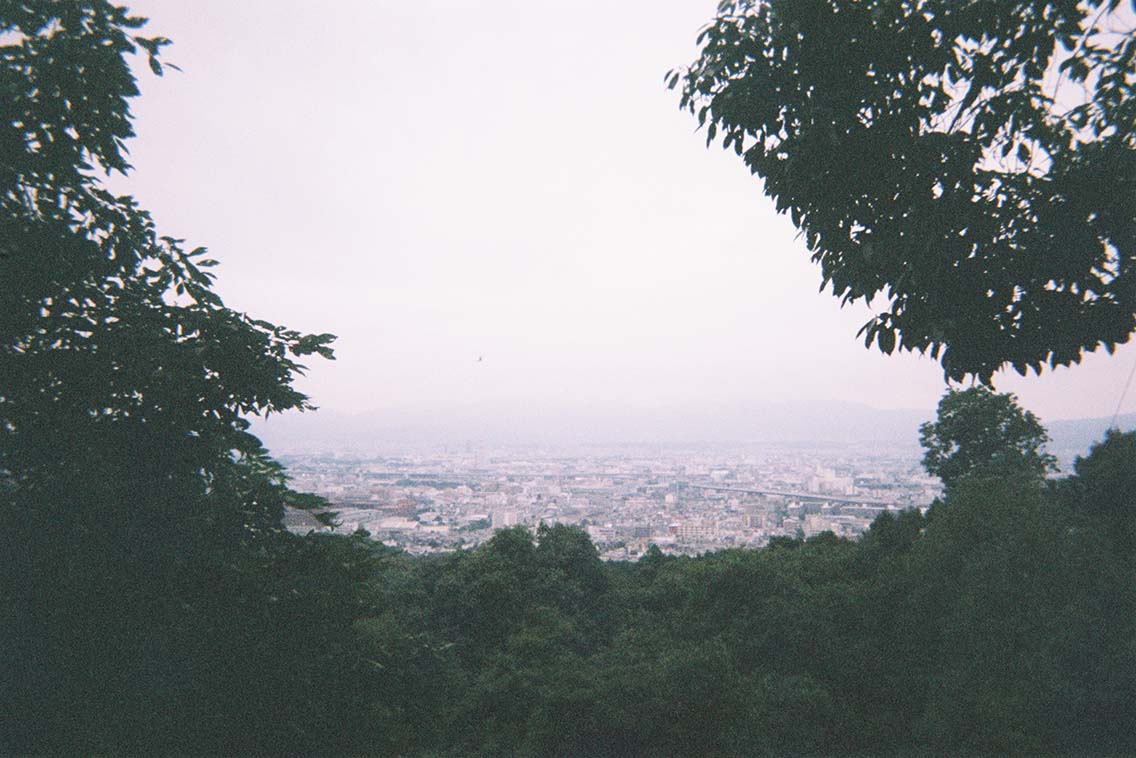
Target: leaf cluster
column 972, row 164
column 980, row 433
column 111, row 335
column 146, row 571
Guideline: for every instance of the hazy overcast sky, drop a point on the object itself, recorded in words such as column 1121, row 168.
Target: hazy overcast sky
column 438, row 182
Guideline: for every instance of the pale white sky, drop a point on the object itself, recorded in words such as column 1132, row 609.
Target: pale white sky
column 436, row 181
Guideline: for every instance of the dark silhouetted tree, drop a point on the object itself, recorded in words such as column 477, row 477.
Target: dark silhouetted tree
column 140, row 521
column 973, row 164
column 1104, row 488
column 980, row 433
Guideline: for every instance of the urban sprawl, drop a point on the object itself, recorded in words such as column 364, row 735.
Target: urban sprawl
column 683, row 501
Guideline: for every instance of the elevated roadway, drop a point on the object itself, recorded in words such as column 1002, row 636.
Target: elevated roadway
column 813, row 496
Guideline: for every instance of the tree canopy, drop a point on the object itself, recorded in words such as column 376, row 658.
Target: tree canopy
column 980, row 433
column 112, row 341
column 1104, row 487
column 970, row 164
column 146, row 575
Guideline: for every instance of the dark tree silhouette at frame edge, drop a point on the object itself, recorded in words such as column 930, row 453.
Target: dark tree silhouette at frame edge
column 132, row 495
column 972, row 164
column 111, row 331
column 1103, row 488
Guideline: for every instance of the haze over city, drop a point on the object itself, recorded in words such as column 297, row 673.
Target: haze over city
column 503, row 214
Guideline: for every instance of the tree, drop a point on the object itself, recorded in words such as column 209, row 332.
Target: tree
column 110, row 333
column 1104, row 487
column 570, row 554
column 1108, row 474
column 982, row 433
column 137, row 513
column 973, row 164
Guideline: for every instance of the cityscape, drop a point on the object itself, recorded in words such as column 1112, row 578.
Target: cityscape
column 683, row 500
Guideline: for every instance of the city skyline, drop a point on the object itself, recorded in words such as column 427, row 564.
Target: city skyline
column 681, row 501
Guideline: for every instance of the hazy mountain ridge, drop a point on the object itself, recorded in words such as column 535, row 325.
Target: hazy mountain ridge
column 791, row 424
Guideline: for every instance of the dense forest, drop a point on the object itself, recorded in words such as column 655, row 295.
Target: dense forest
column 151, row 601
column 1003, row 621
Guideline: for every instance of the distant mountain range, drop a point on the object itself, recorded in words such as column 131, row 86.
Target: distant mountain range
column 1072, row 437
column 771, row 423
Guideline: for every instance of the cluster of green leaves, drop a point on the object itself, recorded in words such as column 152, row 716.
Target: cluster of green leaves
column 146, row 574
column 979, row 433
column 973, row 164
column 111, row 338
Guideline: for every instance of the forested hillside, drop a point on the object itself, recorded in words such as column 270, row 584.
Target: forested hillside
column 1002, row 622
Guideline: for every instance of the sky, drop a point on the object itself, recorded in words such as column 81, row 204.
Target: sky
column 498, row 205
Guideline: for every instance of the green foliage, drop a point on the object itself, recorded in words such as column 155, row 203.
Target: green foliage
column 113, row 343
column 1000, row 623
column 979, row 433
column 1104, row 487
column 980, row 629
column 474, row 526
column 1029, row 613
column 1107, row 476
column 971, row 163
column 151, row 600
